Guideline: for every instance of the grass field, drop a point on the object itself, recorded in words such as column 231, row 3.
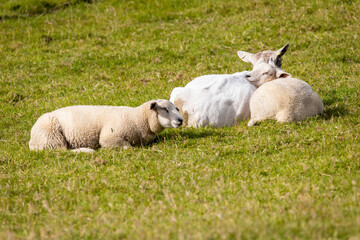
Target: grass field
column 272, row 181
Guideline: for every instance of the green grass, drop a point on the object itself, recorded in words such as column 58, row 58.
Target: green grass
column 272, row 181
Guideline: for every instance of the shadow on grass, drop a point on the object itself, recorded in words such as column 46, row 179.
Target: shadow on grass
column 333, row 106
column 334, row 111
column 185, row 133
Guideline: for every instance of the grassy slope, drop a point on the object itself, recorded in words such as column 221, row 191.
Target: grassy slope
column 271, row 181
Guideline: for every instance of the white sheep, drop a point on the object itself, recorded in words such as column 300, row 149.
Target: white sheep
column 84, row 128
column 285, row 99
column 222, row 99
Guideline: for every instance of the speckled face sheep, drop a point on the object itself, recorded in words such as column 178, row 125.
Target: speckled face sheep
column 285, row 99
column 264, row 56
column 84, row 128
column 222, row 99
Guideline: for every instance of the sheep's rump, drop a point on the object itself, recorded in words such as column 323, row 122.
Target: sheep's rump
column 214, row 100
column 285, row 100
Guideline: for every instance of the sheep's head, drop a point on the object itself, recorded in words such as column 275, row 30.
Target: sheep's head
column 168, row 115
column 265, row 72
column 264, row 57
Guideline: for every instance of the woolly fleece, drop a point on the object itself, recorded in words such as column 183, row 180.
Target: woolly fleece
column 285, row 100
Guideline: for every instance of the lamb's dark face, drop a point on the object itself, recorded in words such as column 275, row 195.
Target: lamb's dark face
column 168, row 114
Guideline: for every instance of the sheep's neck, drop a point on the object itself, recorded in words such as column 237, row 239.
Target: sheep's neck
column 153, row 123
column 149, row 125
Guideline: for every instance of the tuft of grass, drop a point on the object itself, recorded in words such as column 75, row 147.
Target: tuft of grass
column 272, row 181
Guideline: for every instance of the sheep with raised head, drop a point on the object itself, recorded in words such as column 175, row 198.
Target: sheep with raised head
column 222, row 99
column 84, row 128
column 281, row 97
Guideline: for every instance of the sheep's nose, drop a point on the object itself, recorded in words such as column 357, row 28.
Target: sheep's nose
column 180, row 120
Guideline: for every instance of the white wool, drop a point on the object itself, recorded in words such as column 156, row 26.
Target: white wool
column 216, row 100
column 285, row 100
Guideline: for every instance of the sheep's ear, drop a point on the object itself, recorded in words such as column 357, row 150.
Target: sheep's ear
column 248, row 76
column 247, row 57
column 279, row 54
column 282, row 74
column 153, row 105
column 282, row 50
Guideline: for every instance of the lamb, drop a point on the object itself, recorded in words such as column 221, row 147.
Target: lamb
column 285, row 99
column 222, row 104
column 223, row 99
column 85, row 128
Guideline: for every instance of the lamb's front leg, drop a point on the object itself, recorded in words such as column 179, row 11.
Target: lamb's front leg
column 84, row 150
column 111, row 139
column 118, row 144
column 125, row 145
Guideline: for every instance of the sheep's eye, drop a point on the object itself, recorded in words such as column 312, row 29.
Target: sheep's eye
column 166, row 110
column 265, row 73
column 177, row 109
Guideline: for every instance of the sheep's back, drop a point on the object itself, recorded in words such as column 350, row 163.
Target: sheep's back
column 216, row 100
column 82, row 124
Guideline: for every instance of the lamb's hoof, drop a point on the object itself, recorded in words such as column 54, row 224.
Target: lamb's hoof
column 84, row 150
column 252, row 122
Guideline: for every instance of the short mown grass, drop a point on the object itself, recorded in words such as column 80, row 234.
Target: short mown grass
column 271, row 181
